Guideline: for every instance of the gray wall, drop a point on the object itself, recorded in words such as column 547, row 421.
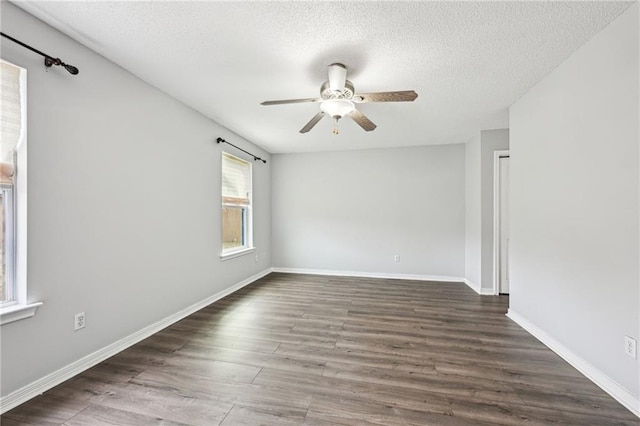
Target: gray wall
column 492, row 140
column 353, row 211
column 479, row 166
column 124, row 210
column 473, row 216
column 574, row 202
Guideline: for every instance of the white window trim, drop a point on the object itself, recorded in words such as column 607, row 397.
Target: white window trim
column 19, row 308
column 8, row 257
column 228, row 254
column 16, row 312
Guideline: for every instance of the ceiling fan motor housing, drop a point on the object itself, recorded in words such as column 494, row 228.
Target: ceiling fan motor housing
column 327, row 93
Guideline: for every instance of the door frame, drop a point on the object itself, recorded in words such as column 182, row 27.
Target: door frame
column 497, row 177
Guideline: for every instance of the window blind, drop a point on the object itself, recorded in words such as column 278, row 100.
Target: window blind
column 236, row 180
column 10, row 118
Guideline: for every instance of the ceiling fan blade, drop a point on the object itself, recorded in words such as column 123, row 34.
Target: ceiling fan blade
column 399, row 96
column 312, row 122
column 291, row 101
column 362, row 120
column 337, row 76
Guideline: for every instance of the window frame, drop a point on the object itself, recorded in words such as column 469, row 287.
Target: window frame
column 247, row 214
column 19, row 308
column 8, row 295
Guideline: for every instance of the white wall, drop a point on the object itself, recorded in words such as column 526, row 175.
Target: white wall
column 353, row 211
column 124, row 210
column 574, row 204
column 473, row 217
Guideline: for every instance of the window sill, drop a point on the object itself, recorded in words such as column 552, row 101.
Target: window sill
column 236, row 253
column 17, row 312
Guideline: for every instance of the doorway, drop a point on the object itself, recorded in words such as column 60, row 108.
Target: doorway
column 501, row 223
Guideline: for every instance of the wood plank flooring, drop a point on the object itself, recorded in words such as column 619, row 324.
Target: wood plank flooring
column 313, row 350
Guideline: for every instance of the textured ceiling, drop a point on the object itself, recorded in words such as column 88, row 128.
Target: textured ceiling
column 468, row 61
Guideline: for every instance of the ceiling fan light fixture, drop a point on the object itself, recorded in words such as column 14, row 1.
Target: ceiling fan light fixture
column 337, row 107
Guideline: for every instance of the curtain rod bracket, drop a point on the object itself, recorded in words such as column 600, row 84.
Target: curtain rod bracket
column 49, row 60
column 255, row 158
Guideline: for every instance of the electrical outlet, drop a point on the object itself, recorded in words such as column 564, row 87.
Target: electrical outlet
column 79, row 321
column 630, row 346
column 257, row 258
column 396, row 258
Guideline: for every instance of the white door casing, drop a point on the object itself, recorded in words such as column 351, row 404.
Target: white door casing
column 501, row 223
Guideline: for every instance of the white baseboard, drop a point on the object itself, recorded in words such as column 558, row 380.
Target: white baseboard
column 473, row 286
column 481, row 291
column 41, row 385
column 607, row 384
column 359, row 274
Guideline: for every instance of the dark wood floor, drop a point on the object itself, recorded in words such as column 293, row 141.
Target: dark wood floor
column 292, row 349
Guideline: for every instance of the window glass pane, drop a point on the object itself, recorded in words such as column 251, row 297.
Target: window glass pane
column 12, row 151
column 233, row 227
column 10, row 111
column 236, row 180
column 236, row 203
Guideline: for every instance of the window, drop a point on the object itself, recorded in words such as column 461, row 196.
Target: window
column 13, row 202
column 236, row 206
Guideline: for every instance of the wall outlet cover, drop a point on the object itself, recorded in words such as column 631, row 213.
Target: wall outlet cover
column 79, row 321
column 630, row 346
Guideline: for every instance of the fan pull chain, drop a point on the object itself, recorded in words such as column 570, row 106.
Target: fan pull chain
column 335, row 125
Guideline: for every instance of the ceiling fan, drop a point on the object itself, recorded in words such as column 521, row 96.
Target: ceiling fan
column 338, row 98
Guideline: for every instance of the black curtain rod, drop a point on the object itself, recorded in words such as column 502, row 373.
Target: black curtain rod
column 48, row 59
column 220, row 140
